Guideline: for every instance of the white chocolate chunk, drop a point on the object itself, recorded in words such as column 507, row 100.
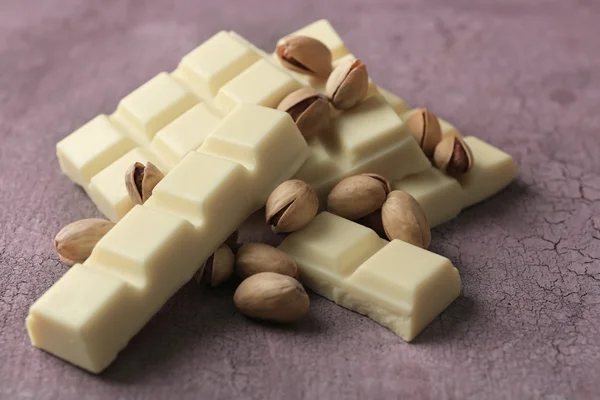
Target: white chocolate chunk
column 399, row 105
column 318, row 165
column 81, row 320
column 440, row 195
column 215, row 62
column 206, row 191
column 406, row 282
column 107, row 188
column 90, row 148
column 152, row 106
column 153, row 251
column 265, row 141
column 185, row 134
column 323, row 31
column 262, row 84
column 492, row 171
column 398, row 285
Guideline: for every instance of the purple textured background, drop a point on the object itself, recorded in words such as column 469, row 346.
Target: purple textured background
column 523, row 75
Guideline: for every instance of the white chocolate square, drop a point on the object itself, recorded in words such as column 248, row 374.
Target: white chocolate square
column 262, row 84
column 265, row 141
column 152, row 106
column 205, row 190
column 151, row 250
column 405, row 281
column 492, row 171
column 107, row 188
column 331, row 246
column 90, row 148
column 440, row 195
column 215, row 62
column 81, row 318
column 186, row 133
column 399, row 105
column 323, row 31
column 319, row 165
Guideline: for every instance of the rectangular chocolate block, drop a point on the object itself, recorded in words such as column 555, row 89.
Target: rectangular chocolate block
column 398, row 285
column 93, row 311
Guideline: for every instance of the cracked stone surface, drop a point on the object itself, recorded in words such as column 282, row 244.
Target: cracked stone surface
column 522, row 75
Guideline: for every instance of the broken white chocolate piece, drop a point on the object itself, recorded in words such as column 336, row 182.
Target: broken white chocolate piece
column 492, row 171
column 398, row 285
column 440, row 196
column 262, row 84
column 185, row 134
column 93, row 311
column 214, row 63
column 107, row 188
column 90, row 148
column 152, row 106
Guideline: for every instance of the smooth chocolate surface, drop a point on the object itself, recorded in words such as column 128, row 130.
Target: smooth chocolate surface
column 521, row 75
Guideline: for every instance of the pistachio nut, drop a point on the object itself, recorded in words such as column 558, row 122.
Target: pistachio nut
column 291, row 206
column 140, row 181
column 305, row 55
column 453, row 156
column 253, row 258
column 357, row 196
column 218, row 268
column 75, row 242
column 309, row 109
column 272, row 297
column 424, row 126
column 348, row 84
column 404, row 219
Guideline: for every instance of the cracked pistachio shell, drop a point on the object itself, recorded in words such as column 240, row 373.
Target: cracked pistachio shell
column 291, row 206
column 453, row 156
column 404, row 219
column 309, row 109
column 357, row 196
column 348, row 84
column 272, row 297
column 253, row 258
column 424, row 126
column 218, row 268
column 75, row 242
column 140, row 181
column 305, row 55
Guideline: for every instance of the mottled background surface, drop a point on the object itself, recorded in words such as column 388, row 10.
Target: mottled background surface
column 523, row 75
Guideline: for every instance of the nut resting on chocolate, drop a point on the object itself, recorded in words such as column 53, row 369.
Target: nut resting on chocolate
column 75, row 242
column 291, row 206
column 309, row 109
column 218, row 268
column 357, row 196
column 348, row 84
column 424, row 126
column 253, row 258
column 404, row 219
column 272, row 297
column 453, row 156
column 305, row 55
column 140, row 181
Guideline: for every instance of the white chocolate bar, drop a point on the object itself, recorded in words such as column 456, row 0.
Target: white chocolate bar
column 263, row 84
column 398, row 285
column 323, row 31
column 152, row 106
column 440, row 195
column 93, row 311
column 90, row 148
column 107, row 188
column 492, row 171
column 399, row 105
column 214, row 63
column 185, row 134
